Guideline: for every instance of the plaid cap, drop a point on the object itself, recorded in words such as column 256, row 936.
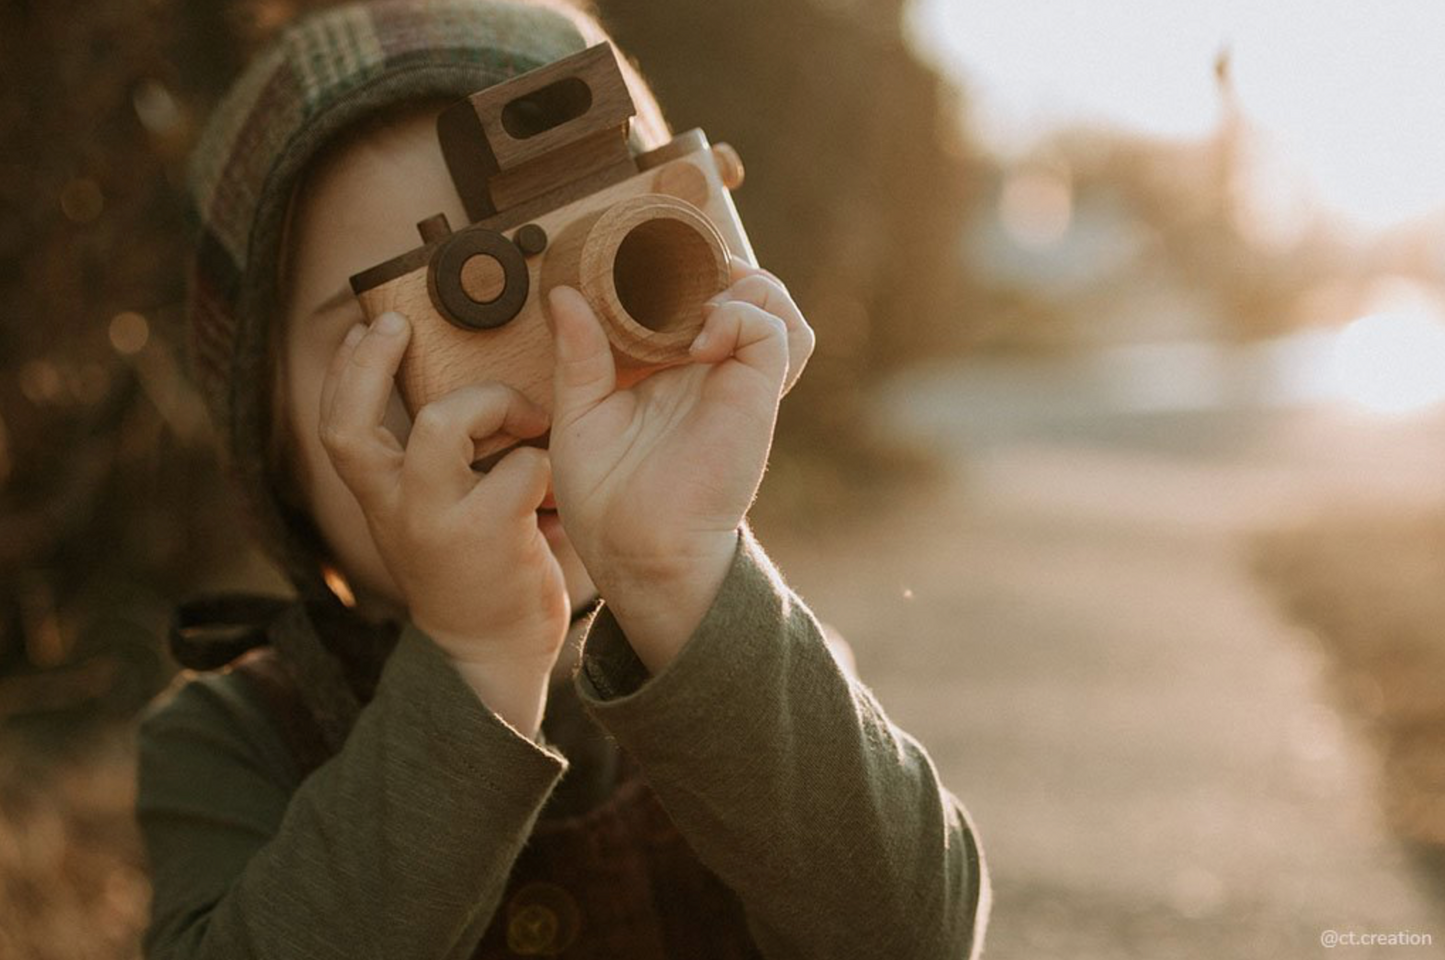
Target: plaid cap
column 322, row 74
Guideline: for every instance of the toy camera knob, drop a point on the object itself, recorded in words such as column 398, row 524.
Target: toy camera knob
column 478, row 279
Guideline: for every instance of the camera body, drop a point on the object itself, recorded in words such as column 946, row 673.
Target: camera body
column 556, row 195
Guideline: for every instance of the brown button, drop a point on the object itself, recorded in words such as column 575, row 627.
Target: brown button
column 530, row 238
column 542, row 920
column 483, row 278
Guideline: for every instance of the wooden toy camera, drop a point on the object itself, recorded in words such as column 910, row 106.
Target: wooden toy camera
column 556, row 196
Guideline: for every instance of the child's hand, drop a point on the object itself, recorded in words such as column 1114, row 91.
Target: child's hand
column 465, row 551
column 652, row 482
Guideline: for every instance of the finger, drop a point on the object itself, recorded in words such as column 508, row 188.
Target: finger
column 366, row 379
column 762, row 289
column 738, row 268
column 748, row 333
column 339, row 360
column 363, row 451
column 585, row 372
column 445, row 433
column 517, row 484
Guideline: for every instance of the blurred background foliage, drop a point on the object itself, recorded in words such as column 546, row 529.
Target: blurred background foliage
column 904, row 239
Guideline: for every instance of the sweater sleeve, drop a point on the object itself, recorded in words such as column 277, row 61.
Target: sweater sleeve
column 399, row 846
column 790, row 783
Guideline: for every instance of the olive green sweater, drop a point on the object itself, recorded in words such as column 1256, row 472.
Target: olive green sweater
column 783, row 773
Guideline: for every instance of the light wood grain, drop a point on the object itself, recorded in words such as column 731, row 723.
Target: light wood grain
column 689, row 228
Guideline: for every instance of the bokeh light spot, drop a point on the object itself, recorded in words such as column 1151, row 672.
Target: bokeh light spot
column 129, row 333
column 1392, row 363
column 40, row 382
column 336, row 582
column 81, row 200
column 155, row 107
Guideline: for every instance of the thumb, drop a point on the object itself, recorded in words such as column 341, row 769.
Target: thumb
column 585, row 373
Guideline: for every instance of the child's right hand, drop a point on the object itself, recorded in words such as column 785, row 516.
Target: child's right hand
column 475, row 572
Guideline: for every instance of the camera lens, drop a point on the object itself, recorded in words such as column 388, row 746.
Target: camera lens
column 663, row 272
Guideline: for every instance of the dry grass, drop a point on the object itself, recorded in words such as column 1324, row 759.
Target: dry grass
column 1371, row 586
column 72, row 881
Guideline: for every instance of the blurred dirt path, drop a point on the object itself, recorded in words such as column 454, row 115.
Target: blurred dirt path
column 1147, row 747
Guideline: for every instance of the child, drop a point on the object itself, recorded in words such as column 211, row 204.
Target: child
column 416, row 760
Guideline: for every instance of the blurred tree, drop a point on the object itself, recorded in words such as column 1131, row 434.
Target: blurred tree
column 109, row 502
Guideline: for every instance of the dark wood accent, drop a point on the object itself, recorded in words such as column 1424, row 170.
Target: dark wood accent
column 503, row 149
column 469, row 158
column 561, row 197
column 530, row 238
column 557, row 171
column 373, row 277
column 679, row 146
column 434, row 228
column 446, row 280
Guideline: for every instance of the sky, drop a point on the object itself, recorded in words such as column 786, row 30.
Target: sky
column 1346, row 95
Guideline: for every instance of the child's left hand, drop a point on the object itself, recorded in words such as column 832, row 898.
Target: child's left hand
column 652, row 482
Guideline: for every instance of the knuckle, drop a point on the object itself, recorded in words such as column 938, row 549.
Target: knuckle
column 752, row 287
column 370, row 354
column 808, row 339
column 531, row 459
column 771, row 282
column 774, row 325
column 430, row 420
column 488, row 391
column 734, row 314
column 336, row 442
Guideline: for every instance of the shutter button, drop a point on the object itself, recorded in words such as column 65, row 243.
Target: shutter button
column 542, row 920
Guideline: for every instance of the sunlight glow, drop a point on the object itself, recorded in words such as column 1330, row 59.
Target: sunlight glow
column 1391, row 363
column 336, row 582
column 1348, row 93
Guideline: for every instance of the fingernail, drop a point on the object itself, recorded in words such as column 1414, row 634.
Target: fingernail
column 700, row 342
column 354, row 334
column 390, row 323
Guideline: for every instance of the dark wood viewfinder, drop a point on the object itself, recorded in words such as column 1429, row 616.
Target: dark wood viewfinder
column 542, row 110
column 539, row 140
